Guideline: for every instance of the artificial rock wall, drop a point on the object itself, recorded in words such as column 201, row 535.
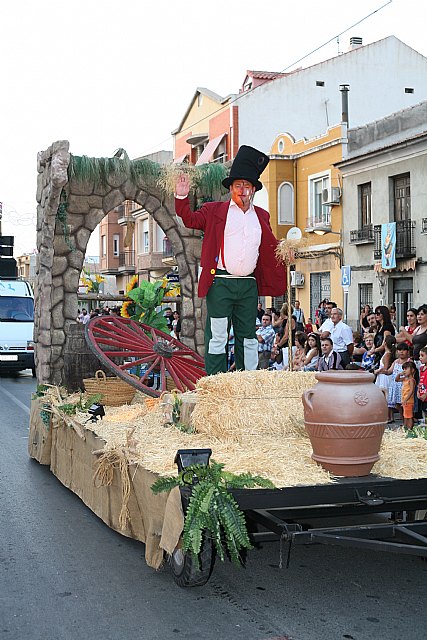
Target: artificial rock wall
column 59, row 266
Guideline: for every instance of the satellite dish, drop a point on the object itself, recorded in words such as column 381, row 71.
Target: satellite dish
column 294, row 234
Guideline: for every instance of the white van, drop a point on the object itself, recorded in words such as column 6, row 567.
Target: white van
column 16, row 326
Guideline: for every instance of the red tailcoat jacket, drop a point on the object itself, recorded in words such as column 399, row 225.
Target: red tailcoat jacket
column 211, row 218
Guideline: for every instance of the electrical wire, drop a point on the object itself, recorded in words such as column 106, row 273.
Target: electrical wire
column 252, row 89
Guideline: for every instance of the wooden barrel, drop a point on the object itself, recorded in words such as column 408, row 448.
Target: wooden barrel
column 79, row 361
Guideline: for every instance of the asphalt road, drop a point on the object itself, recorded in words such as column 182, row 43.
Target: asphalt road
column 64, row 575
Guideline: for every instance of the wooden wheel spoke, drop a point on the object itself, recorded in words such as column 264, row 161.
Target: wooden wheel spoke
column 135, row 363
column 128, row 354
column 175, row 376
column 162, row 375
column 125, row 339
column 149, row 370
column 130, row 337
column 188, row 373
column 190, row 365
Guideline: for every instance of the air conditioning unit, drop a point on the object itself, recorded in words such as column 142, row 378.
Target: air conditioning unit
column 297, row 279
column 331, row 196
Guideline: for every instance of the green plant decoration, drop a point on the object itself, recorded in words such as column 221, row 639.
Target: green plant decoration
column 206, row 179
column 417, row 431
column 45, row 416
column 40, row 391
column 213, row 508
column 176, row 415
column 146, row 298
column 71, row 408
column 61, row 217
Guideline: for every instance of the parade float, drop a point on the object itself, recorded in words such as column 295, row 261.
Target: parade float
column 197, row 467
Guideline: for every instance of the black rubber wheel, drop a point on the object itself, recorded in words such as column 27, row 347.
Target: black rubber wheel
column 185, row 570
column 33, row 372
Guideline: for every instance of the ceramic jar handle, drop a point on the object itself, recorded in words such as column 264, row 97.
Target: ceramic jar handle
column 306, row 398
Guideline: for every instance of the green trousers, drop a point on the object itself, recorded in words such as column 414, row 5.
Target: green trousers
column 231, row 301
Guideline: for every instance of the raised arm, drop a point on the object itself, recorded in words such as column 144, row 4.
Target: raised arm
column 191, row 219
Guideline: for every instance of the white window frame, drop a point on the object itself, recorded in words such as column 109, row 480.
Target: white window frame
column 143, row 235
column 281, row 215
column 325, row 212
column 146, row 241
column 103, row 246
column 116, row 245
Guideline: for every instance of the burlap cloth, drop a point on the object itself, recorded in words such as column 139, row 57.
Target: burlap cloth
column 156, row 520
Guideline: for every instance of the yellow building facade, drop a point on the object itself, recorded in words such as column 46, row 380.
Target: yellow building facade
column 304, row 191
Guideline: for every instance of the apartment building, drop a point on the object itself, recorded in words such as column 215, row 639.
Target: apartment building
column 384, row 185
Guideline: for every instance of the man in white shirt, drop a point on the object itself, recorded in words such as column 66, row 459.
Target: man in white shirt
column 326, row 327
column 238, row 260
column 299, row 316
column 341, row 335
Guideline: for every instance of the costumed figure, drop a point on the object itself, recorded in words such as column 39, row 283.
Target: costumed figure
column 238, row 261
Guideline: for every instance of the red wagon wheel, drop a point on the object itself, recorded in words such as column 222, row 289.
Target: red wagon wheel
column 129, row 349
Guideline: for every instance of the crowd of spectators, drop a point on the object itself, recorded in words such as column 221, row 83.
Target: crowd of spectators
column 83, row 316
column 397, row 356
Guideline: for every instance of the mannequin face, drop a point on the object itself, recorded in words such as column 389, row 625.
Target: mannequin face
column 242, row 192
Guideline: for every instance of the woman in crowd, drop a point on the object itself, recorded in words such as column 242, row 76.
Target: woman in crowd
column 299, row 355
column 359, row 347
column 176, row 325
column 408, row 330
column 312, row 352
column 364, row 324
column 384, row 328
column 368, row 358
column 382, row 380
column 283, row 333
column 418, row 337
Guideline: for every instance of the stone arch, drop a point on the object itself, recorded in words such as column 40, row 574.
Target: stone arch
column 61, row 255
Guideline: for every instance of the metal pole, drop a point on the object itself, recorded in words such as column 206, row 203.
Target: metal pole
column 288, row 284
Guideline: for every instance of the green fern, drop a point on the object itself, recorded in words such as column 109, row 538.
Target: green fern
column 212, row 508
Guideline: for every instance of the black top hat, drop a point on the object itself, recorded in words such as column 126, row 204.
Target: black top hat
column 248, row 165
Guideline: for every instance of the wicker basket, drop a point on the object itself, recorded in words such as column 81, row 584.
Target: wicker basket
column 114, row 391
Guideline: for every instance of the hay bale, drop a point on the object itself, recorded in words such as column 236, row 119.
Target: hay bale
column 251, row 403
column 401, row 457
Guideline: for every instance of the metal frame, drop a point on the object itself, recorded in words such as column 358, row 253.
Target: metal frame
column 287, row 514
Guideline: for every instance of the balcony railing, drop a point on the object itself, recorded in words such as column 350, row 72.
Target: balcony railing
column 127, row 260
column 405, row 241
column 363, row 235
column 322, row 221
column 424, row 225
column 167, row 249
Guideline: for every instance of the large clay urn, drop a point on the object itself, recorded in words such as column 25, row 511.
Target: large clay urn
column 345, row 416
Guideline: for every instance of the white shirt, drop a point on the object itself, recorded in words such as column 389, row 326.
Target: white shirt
column 242, row 237
column 326, row 326
column 341, row 336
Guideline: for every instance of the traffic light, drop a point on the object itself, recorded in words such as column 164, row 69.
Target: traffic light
column 6, row 245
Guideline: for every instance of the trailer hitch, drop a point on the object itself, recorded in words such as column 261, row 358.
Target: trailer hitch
column 370, row 498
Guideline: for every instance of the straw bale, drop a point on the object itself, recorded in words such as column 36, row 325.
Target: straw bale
column 257, row 403
column 401, row 457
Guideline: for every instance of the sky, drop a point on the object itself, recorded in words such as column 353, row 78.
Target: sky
column 110, row 74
